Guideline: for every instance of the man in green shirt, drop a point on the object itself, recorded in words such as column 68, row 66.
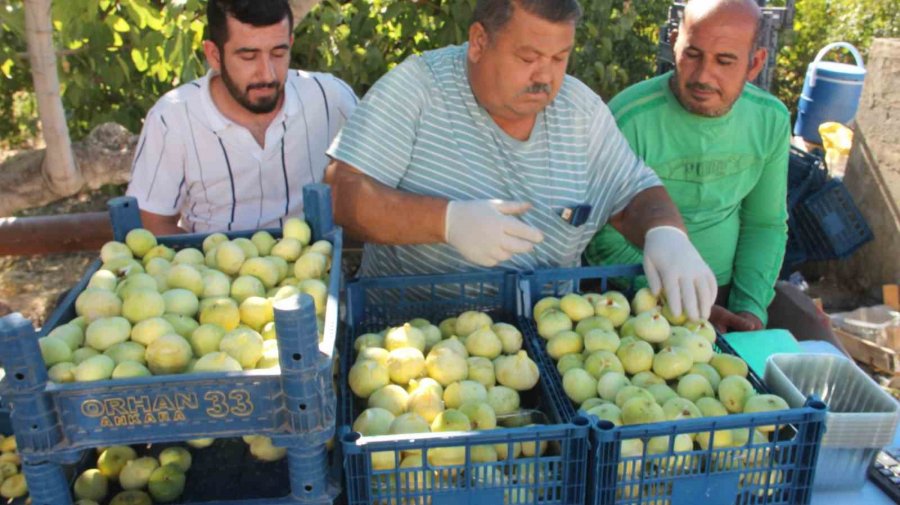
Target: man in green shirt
column 720, row 146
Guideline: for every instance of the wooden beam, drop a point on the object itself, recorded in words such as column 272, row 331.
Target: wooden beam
column 891, row 295
column 880, row 358
column 21, row 236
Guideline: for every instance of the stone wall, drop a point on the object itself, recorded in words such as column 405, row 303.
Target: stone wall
column 873, row 172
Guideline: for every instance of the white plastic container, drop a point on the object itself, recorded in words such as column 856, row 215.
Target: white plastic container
column 861, row 417
column 871, row 323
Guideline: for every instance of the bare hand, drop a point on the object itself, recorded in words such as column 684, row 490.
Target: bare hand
column 724, row 320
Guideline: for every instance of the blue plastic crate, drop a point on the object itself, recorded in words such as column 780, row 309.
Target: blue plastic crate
column 829, row 224
column 6, row 429
column 5, row 423
column 715, row 474
column 53, row 422
column 296, row 407
column 222, row 474
column 557, row 477
column 776, row 471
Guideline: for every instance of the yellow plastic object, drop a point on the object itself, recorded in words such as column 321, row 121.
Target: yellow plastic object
column 837, row 140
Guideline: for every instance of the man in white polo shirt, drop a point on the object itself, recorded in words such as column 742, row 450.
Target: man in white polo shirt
column 487, row 154
column 233, row 149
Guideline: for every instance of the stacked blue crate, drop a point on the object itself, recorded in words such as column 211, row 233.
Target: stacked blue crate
column 717, row 474
column 296, row 406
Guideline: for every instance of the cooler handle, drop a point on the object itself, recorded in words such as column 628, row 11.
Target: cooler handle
column 829, row 47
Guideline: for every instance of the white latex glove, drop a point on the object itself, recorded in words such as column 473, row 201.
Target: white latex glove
column 672, row 263
column 485, row 231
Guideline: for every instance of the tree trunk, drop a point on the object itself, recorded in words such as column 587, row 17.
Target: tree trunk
column 104, row 157
column 301, row 8
column 58, row 167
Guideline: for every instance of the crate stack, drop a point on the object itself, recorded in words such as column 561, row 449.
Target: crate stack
column 824, row 223
column 57, row 424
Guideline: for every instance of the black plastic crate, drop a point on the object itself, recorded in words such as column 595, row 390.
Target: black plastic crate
column 806, row 174
column 830, row 225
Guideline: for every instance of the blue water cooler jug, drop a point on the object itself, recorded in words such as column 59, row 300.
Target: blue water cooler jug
column 831, row 92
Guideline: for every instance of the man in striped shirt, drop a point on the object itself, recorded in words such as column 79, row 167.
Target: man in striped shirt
column 477, row 155
column 233, row 149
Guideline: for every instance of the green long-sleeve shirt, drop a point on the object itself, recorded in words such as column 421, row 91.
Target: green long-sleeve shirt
column 728, row 177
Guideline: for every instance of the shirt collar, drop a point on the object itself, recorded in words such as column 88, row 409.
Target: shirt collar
column 219, row 122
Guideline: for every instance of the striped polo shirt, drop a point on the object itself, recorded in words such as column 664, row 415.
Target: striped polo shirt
column 194, row 162
column 420, row 129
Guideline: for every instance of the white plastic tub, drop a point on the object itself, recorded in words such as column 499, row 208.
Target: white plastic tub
column 861, row 417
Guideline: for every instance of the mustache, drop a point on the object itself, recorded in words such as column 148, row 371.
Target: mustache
column 701, row 87
column 263, row 85
column 538, row 87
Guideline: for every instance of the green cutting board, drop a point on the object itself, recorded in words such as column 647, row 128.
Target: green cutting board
column 756, row 346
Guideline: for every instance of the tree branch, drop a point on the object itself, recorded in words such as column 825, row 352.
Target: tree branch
column 301, row 8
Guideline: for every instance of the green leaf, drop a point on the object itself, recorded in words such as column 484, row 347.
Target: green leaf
column 139, row 59
column 119, row 24
column 6, row 68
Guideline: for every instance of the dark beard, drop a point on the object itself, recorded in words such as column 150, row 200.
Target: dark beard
column 263, row 106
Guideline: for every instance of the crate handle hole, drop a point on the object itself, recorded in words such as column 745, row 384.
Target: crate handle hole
column 297, row 356
column 20, row 376
column 302, row 406
column 308, row 488
column 817, row 404
column 605, row 425
column 34, row 427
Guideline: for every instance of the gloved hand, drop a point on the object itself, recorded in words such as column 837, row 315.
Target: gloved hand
column 486, row 232
column 672, row 263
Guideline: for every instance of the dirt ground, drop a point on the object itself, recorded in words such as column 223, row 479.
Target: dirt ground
column 33, row 284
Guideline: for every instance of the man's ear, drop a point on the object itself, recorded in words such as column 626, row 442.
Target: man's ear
column 213, row 55
column 757, row 63
column 478, row 41
column 673, row 36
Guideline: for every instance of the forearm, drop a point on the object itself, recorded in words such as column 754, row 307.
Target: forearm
column 160, row 225
column 763, row 235
column 757, row 261
column 372, row 212
column 650, row 208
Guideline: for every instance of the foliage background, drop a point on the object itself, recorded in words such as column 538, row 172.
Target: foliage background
column 117, row 57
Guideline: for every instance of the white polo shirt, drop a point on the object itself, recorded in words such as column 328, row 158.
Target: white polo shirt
column 194, row 162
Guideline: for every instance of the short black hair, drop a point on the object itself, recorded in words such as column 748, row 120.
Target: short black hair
column 494, row 14
column 251, row 12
